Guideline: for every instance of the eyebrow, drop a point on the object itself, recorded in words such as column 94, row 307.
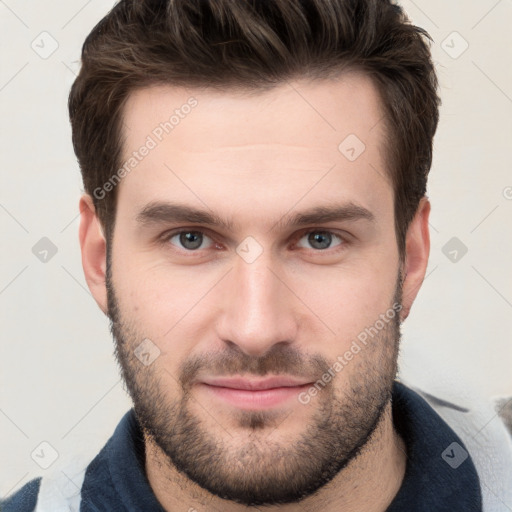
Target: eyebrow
column 158, row 212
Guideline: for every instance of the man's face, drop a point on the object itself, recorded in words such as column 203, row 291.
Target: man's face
column 261, row 297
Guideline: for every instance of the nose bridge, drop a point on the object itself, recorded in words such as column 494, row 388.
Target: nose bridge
column 258, row 310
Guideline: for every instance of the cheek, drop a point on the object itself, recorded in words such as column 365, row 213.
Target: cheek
column 348, row 299
column 163, row 304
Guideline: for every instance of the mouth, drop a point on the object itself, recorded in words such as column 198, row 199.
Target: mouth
column 254, row 394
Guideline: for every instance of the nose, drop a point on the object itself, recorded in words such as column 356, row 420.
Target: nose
column 257, row 309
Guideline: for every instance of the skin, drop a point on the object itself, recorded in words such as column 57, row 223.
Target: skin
column 254, row 159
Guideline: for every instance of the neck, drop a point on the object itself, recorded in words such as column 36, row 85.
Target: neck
column 369, row 482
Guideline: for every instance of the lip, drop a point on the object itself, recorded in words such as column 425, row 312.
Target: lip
column 255, row 384
column 254, row 394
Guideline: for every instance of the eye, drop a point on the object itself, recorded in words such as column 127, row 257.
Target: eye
column 321, row 239
column 190, row 240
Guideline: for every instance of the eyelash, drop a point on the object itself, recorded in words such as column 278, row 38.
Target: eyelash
column 166, row 237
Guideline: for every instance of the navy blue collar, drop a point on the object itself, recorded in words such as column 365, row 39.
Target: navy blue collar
column 440, row 475
column 116, row 480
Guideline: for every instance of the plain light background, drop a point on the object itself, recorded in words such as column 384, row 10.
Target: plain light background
column 58, row 377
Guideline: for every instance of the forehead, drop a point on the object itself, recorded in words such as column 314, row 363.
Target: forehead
column 326, row 135
column 316, row 113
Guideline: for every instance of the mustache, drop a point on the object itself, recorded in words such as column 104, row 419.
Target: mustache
column 281, row 359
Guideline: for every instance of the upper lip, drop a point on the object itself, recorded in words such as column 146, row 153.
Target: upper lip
column 255, row 384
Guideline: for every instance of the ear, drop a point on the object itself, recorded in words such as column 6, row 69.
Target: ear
column 417, row 250
column 94, row 251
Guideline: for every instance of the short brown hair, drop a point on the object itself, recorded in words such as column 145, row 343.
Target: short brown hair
column 256, row 45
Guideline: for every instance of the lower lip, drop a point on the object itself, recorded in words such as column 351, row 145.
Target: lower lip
column 255, row 399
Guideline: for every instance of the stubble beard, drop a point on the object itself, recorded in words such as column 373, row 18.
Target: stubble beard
column 253, row 466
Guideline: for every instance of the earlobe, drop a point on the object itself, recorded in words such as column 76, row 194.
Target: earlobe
column 94, row 251
column 417, row 251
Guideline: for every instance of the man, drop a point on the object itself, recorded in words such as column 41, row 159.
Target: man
column 255, row 226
